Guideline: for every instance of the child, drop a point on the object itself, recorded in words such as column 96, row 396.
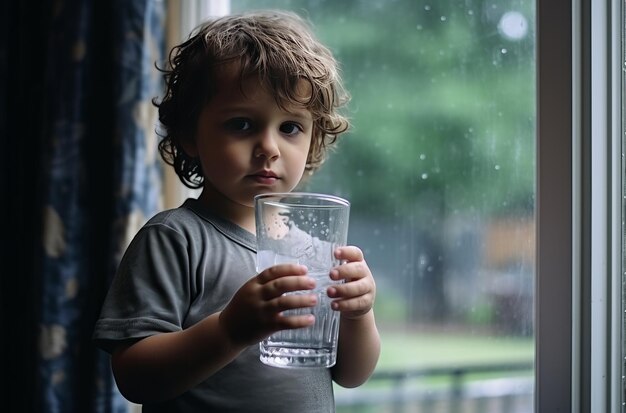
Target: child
column 251, row 104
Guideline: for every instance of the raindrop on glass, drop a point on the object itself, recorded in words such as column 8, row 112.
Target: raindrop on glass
column 513, row 25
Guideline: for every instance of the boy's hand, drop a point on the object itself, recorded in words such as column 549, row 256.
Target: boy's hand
column 255, row 311
column 355, row 297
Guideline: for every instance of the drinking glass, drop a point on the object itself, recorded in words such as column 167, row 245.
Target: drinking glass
column 302, row 228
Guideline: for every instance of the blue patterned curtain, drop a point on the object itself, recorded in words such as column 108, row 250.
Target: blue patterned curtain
column 88, row 93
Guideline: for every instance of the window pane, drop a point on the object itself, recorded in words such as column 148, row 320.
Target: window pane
column 439, row 167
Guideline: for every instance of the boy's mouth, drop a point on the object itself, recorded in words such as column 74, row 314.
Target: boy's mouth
column 264, row 177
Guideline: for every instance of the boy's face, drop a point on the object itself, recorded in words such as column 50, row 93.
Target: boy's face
column 247, row 144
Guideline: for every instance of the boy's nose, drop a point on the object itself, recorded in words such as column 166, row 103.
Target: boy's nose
column 267, row 146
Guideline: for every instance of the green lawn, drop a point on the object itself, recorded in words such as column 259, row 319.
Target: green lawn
column 420, row 348
column 405, row 350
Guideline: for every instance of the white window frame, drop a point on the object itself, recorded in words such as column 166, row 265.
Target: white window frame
column 579, row 127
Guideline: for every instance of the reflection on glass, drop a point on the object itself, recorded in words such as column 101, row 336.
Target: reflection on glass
column 439, row 168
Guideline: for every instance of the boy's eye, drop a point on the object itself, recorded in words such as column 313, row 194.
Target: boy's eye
column 238, row 124
column 290, row 128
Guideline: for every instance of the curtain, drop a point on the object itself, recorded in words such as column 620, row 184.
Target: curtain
column 82, row 177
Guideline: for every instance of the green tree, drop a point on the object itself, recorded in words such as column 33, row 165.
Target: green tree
column 443, row 126
column 443, row 103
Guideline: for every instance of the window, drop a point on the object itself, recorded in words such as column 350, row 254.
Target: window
column 439, row 168
column 485, row 170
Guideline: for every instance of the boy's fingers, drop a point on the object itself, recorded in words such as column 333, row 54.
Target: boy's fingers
column 350, row 271
column 351, row 289
column 359, row 304
column 291, row 301
column 280, row 270
column 283, row 285
column 349, row 253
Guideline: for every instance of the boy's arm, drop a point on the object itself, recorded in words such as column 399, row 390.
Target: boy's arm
column 163, row 366
column 358, row 350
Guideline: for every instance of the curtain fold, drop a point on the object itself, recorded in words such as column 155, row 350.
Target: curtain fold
column 22, row 62
column 96, row 175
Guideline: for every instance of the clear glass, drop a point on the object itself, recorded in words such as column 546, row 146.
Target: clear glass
column 302, row 228
column 439, row 169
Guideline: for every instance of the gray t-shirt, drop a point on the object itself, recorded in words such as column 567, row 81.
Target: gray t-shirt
column 182, row 266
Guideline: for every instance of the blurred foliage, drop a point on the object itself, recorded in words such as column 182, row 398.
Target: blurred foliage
column 442, row 104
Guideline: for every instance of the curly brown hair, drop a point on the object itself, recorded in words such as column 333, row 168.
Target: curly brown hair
column 278, row 47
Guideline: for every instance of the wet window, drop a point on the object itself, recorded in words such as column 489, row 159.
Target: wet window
column 440, row 169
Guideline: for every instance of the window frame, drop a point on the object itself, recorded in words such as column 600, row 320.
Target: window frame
column 579, row 127
column 554, row 326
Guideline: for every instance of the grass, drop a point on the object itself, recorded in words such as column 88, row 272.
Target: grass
column 419, row 349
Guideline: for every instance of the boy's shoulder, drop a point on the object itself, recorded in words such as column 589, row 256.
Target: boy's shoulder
column 192, row 221
column 174, row 217
column 188, row 215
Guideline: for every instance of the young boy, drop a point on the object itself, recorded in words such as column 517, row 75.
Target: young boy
column 250, row 106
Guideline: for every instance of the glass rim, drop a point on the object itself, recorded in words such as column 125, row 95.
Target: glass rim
column 336, row 200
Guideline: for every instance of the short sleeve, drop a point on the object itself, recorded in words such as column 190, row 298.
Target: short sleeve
column 150, row 292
